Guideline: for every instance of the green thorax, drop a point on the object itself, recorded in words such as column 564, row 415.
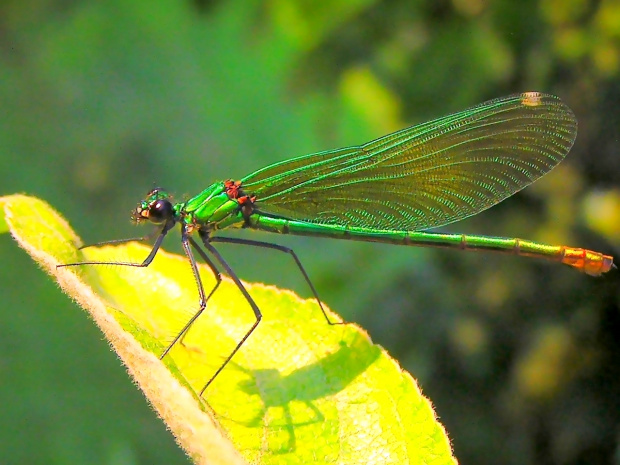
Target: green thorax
column 212, row 208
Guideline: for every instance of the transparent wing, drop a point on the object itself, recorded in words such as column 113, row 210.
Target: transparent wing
column 427, row 175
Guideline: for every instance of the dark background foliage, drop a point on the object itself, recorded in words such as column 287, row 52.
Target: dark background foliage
column 99, row 101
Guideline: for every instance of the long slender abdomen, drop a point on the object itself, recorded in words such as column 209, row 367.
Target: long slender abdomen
column 587, row 261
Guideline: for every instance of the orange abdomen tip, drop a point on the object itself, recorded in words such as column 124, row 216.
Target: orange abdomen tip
column 587, row 261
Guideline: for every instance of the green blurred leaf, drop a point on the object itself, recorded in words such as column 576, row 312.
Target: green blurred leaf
column 299, row 391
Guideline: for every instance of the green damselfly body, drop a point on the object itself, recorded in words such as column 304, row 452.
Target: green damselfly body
column 390, row 190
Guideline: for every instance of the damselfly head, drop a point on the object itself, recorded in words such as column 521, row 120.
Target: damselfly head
column 156, row 207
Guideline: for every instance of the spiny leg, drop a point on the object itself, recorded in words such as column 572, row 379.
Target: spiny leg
column 213, row 251
column 201, row 293
column 147, row 261
column 146, row 238
column 288, row 250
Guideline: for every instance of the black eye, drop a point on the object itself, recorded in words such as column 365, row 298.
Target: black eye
column 160, row 211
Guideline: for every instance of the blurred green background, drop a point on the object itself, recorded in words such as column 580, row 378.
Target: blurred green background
column 102, row 100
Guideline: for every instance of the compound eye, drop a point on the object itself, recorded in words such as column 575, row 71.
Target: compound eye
column 160, row 211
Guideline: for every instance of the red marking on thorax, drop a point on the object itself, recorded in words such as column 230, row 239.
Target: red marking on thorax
column 234, row 192
column 232, row 188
